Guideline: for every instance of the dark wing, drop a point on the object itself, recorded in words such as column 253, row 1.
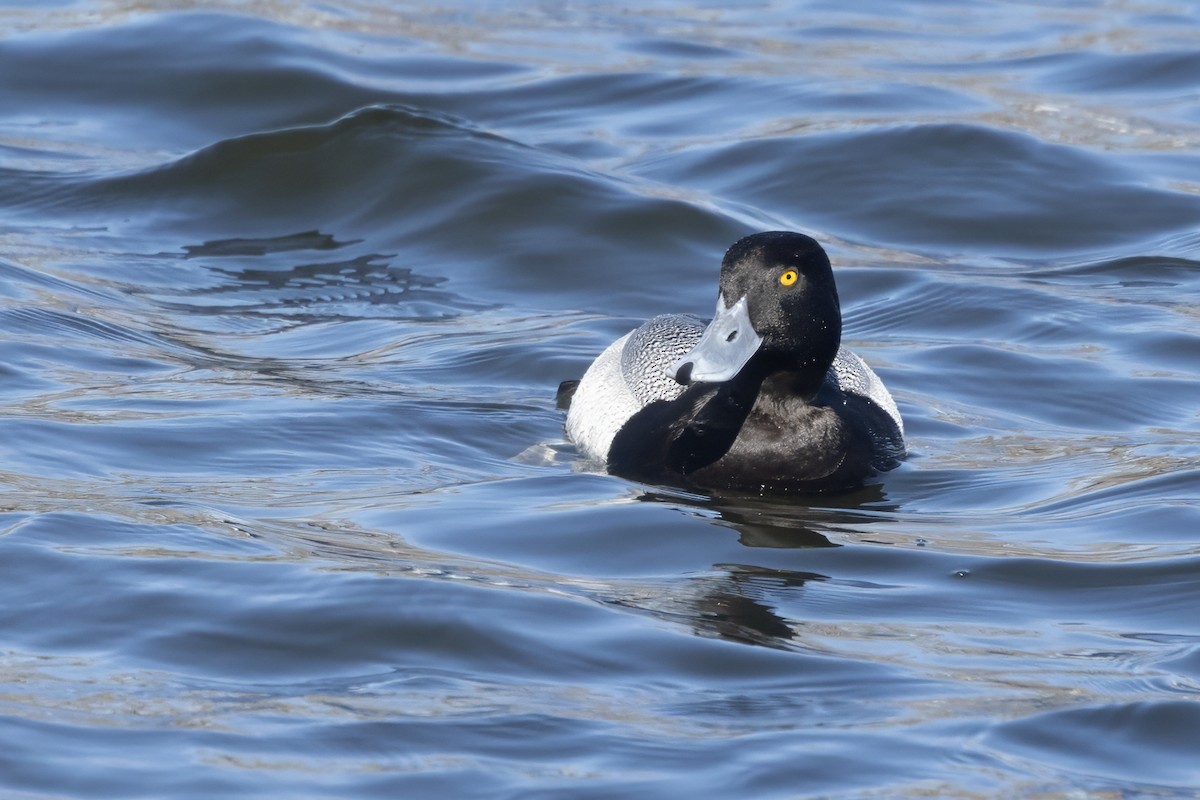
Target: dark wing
column 670, row 439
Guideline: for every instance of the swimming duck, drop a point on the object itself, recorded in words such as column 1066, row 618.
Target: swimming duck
column 762, row 399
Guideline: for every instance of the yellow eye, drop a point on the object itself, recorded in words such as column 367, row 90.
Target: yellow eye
column 788, row 278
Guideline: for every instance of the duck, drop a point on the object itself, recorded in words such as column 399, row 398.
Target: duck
column 761, row 399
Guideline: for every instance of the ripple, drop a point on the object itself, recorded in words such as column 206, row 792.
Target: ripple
column 1140, row 72
column 966, row 187
column 1146, row 744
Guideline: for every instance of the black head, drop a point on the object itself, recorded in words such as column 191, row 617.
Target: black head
column 778, row 310
column 791, row 296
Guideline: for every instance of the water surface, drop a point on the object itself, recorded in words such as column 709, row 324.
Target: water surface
column 285, row 294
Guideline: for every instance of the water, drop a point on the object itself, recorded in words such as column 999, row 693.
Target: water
column 285, row 294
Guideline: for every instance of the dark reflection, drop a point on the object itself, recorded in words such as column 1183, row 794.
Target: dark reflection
column 740, row 602
column 783, row 522
column 734, row 604
column 306, row 240
column 274, row 285
column 366, row 272
column 737, row 607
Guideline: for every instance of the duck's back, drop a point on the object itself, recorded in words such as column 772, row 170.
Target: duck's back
column 629, row 375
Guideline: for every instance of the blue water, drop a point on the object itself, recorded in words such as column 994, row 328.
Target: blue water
column 286, row 291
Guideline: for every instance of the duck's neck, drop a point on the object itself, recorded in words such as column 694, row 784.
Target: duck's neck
column 793, row 375
column 799, row 384
column 780, row 378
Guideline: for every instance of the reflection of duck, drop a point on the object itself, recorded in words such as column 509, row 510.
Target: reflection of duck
column 766, row 521
column 764, row 399
column 752, row 603
column 735, row 604
column 740, row 610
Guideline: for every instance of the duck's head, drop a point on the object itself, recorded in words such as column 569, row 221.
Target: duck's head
column 777, row 308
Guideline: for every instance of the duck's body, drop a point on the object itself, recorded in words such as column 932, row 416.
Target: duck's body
column 764, row 399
